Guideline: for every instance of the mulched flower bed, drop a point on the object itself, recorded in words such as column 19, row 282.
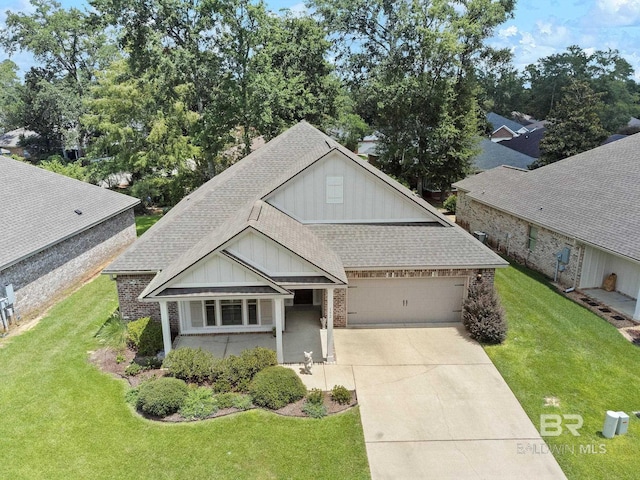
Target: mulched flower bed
column 107, row 361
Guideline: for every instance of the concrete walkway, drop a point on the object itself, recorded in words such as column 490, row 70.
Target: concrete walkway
column 433, row 406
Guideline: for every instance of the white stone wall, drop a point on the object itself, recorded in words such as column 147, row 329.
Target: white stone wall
column 510, row 235
column 40, row 279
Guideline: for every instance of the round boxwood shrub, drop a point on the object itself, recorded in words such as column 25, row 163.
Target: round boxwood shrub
column 192, row 365
column 162, row 396
column 483, row 316
column 275, row 387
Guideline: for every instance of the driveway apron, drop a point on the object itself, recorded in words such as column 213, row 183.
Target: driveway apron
column 433, row 406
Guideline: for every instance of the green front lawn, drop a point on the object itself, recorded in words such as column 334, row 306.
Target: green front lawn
column 61, row 418
column 556, row 348
column 145, row 222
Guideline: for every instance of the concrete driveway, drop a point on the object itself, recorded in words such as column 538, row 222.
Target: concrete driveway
column 434, row 406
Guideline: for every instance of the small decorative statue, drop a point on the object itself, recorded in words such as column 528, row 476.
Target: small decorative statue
column 323, row 322
column 308, row 362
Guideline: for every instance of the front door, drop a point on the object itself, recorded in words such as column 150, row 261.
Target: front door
column 303, row 297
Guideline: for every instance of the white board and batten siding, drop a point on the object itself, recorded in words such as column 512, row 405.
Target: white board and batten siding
column 337, row 190
column 269, row 257
column 389, row 301
column 597, row 265
column 216, row 271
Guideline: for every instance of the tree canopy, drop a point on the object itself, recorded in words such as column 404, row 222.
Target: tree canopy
column 575, row 126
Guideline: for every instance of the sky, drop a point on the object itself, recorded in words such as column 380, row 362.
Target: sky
column 539, row 28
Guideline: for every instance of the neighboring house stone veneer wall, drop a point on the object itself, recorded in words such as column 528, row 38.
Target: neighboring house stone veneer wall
column 38, row 280
column 510, row 235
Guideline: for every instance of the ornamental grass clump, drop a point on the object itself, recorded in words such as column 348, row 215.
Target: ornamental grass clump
column 483, row 316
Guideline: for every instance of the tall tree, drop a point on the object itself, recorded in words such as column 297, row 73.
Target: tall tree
column 71, row 46
column 575, row 126
column 604, row 71
column 411, row 66
column 10, row 96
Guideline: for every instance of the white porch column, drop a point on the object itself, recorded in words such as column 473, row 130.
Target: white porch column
column 166, row 328
column 279, row 304
column 636, row 314
column 331, row 358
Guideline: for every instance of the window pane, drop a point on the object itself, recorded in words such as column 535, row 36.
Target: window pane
column 231, row 311
column 252, row 309
column 533, row 236
column 195, row 313
column 210, row 307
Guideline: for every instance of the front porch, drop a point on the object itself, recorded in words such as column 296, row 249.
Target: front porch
column 303, row 333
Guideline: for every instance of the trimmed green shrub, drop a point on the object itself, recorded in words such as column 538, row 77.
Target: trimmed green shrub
column 133, row 369
column 315, row 396
column 145, row 336
column 340, row 394
column 242, row 369
column 450, row 204
column 162, row 396
column 275, row 387
column 232, row 399
column 199, row 403
column 192, row 365
column 315, row 410
column 483, row 316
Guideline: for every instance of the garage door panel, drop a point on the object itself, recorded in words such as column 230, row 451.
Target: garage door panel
column 405, row 300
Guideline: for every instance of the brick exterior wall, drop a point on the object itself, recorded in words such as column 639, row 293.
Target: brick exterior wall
column 339, row 306
column 510, row 235
column 129, row 288
column 40, row 279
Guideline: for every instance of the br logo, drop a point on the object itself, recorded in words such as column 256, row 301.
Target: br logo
column 551, row 425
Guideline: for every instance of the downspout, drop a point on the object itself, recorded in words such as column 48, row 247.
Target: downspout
column 575, row 275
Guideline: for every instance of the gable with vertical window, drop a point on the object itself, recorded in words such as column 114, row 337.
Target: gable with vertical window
column 335, row 189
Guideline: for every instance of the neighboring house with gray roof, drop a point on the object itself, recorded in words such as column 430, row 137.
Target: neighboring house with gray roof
column 504, row 128
column 10, row 142
column 57, row 231
column 301, row 221
column 494, row 154
column 566, row 219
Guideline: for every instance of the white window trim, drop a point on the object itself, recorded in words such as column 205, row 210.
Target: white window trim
column 185, row 317
column 334, row 189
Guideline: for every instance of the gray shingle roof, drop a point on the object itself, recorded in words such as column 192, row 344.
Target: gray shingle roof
column 593, row 196
column 384, row 246
column 229, row 203
column 493, row 154
column 498, row 121
column 250, row 179
column 39, row 208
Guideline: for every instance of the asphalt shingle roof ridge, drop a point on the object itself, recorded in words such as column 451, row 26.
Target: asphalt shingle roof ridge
column 205, row 209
